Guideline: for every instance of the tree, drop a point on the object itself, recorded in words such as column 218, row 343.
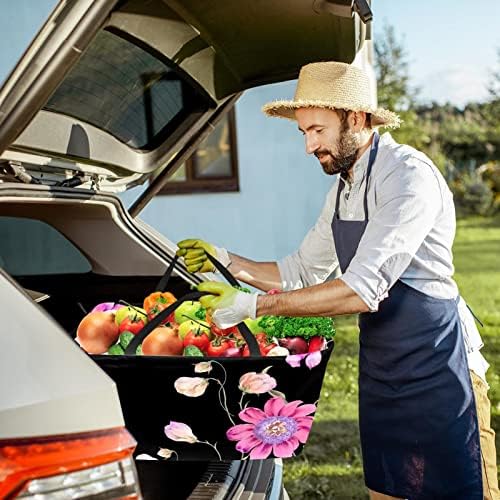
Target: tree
column 396, row 93
column 494, row 85
column 491, row 109
column 391, row 69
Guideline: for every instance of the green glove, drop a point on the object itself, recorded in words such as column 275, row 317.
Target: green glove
column 229, row 306
column 222, row 294
column 195, row 255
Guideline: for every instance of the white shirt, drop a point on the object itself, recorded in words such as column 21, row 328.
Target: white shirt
column 409, row 235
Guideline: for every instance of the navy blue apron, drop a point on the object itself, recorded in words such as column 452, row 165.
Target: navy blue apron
column 417, row 416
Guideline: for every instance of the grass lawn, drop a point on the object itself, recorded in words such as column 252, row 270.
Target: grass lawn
column 330, row 465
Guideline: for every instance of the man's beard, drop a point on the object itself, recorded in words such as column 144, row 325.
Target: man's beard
column 347, row 152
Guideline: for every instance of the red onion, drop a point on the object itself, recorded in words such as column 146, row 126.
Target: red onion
column 296, row 345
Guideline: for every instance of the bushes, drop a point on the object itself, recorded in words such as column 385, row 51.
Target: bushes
column 477, row 192
column 472, row 195
column 490, row 173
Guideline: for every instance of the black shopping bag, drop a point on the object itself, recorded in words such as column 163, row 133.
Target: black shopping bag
column 217, row 408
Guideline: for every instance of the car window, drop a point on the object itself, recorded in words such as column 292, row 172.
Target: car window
column 128, row 91
column 31, row 247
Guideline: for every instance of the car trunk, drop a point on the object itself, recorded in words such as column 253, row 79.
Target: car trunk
column 126, row 264
column 122, row 262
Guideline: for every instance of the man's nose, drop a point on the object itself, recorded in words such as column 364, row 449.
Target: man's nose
column 311, row 144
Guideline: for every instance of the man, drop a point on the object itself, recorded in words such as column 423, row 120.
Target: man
column 388, row 225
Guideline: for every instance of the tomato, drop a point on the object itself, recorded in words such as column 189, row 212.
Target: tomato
column 222, row 332
column 237, row 335
column 133, row 325
column 261, row 337
column 219, row 346
column 97, row 331
column 162, row 341
column 264, row 346
column 158, row 298
column 316, row 343
column 197, row 338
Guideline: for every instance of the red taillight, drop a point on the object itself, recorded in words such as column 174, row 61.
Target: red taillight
column 24, row 460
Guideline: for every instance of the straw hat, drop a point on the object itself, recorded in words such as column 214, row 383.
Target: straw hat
column 333, row 85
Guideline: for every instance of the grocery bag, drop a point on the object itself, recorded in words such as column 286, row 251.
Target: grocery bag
column 216, row 408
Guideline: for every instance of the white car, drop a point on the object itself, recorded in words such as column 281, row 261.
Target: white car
column 110, row 95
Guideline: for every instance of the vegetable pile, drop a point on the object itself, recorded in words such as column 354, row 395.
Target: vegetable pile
column 189, row 331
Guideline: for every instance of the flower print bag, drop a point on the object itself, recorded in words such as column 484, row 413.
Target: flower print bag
column 216, row 408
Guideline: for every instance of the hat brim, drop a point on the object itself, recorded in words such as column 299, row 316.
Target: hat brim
column 380, row 117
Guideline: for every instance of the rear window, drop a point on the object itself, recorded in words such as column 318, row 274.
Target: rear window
column 31, row 247
column 128, row 91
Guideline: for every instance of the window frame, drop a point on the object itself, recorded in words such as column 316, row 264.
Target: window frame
column 212, row 184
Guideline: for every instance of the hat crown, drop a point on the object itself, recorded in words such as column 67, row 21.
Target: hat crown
column 333, row 85
column 343, row 84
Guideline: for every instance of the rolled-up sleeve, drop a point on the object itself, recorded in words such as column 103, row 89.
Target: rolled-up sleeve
column 409, row 200
column 315, row 260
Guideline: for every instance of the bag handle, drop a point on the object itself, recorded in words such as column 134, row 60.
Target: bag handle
column 162, row 284
column 248, row 336
column 223, row 270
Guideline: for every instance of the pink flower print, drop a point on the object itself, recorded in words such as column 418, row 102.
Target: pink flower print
column 166, row 453
column 278, row 429
column 191, row 386
column 312, row 359
column 177, row 431
column 256, row 383
column 203, row 367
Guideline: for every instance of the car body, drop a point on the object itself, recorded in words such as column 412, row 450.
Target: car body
column 110, row 95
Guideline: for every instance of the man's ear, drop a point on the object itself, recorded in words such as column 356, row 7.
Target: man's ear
column 357, row 120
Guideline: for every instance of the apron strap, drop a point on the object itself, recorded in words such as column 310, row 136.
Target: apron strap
column 473, row 315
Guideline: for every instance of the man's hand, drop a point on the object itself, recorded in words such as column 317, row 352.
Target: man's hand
column 195, row 255
column 194, row 251
column 229, row 305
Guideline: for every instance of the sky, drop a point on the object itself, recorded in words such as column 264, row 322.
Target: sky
column 451, row 44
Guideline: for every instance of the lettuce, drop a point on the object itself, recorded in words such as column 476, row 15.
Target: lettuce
column 306, row 327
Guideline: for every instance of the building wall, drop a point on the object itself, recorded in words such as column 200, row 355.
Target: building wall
column 281, row 192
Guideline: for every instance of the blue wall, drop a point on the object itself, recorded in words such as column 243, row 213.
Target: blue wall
column 281, row 192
